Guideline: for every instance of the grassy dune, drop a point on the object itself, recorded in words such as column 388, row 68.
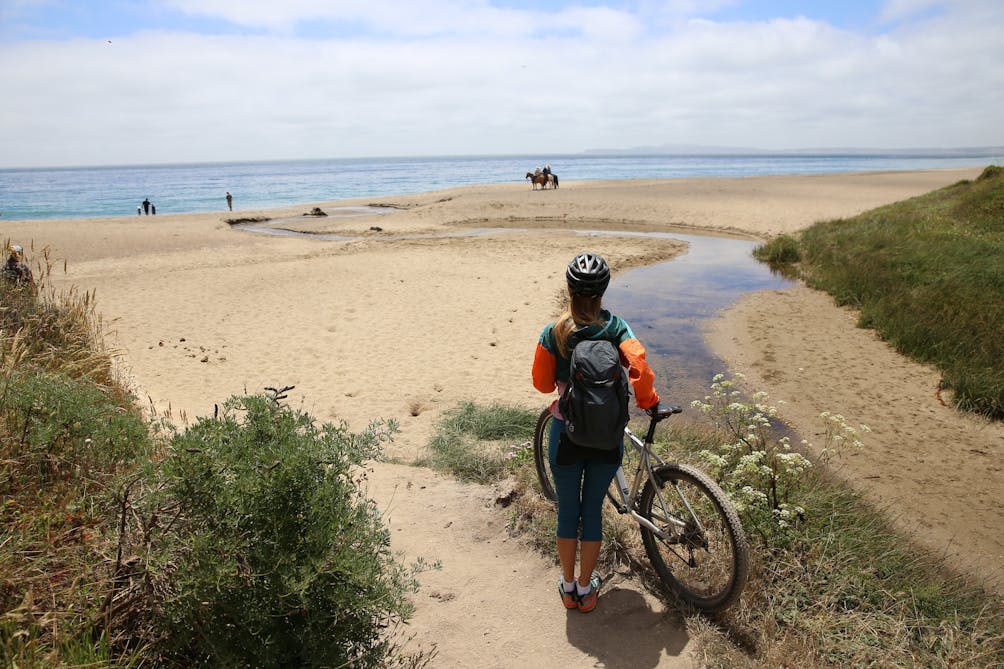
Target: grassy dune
column 927, row 274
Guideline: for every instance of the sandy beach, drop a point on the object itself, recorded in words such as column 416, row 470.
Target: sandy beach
column 444, row 304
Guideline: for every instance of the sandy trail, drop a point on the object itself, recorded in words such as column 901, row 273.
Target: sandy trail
column 494, row 604
column 405, row 328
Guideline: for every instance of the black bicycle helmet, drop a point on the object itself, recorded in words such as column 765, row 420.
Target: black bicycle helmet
column 588, row 275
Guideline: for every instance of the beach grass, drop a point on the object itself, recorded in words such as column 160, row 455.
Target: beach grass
column 844, row 588
column 479, row 443
column 927, row 274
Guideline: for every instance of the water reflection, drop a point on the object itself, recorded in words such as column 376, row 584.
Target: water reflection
column 669, row 304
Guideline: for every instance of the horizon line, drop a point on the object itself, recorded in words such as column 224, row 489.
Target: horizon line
column 653, row 151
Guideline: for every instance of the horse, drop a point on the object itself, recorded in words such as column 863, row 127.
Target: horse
column 542, row 180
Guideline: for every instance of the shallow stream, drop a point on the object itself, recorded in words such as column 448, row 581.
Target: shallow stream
column 670, row 304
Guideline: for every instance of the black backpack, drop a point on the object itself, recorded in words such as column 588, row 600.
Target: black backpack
column 595, row 404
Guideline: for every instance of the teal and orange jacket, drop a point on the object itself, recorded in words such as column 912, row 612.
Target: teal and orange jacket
column 551, row 369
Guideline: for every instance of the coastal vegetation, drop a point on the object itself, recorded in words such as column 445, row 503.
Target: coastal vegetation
column 242, row 541
column 927, row 274
column 832, row 582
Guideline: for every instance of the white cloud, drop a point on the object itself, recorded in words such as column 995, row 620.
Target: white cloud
column 529, row 82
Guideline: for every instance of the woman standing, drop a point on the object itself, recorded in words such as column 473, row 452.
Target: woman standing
column 582, row 475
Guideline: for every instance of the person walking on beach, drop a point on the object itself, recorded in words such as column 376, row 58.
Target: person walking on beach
column 230, row 201
column 582, row 475
column 146, row 206
column 16, row 270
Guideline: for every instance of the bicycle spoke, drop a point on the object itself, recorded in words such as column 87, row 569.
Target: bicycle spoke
column 703, row 556
column 663, row 518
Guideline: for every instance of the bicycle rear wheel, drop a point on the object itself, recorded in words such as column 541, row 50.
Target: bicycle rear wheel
column 706, row 561
column 541, row 444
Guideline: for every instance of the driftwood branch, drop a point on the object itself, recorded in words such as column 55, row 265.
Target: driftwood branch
column 277, row 394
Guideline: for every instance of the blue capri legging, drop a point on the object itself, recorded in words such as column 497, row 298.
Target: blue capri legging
column 581, row 488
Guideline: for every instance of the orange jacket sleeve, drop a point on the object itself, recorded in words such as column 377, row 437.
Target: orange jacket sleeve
column 641, row 375
column 544, row 364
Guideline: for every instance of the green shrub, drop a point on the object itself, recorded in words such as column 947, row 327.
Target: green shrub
column 251, row 547
column 273, row 557
column 782, row 250
column 55, row 426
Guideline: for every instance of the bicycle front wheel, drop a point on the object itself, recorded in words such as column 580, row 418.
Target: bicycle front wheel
column 704, row 556
column 541, row 444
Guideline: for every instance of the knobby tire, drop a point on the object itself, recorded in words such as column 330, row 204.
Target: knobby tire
column 720, row 553
column 541, row 439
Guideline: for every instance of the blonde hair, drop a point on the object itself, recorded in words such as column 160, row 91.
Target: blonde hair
column 582, row 310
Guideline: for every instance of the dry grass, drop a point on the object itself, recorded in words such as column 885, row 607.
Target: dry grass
column 58, row 331
column 68, row 431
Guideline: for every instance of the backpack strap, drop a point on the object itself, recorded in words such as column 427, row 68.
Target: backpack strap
column 573, row 339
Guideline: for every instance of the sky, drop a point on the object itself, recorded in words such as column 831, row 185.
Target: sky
column 111, row 82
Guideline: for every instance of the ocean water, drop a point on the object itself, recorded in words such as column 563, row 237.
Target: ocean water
column 79, row 192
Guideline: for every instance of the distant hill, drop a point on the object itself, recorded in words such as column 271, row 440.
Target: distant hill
column 700, row 150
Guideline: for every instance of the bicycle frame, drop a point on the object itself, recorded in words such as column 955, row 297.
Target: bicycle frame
column 717, row 561
column 629, row 493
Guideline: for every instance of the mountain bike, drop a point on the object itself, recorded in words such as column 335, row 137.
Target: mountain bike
column 690, row 530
